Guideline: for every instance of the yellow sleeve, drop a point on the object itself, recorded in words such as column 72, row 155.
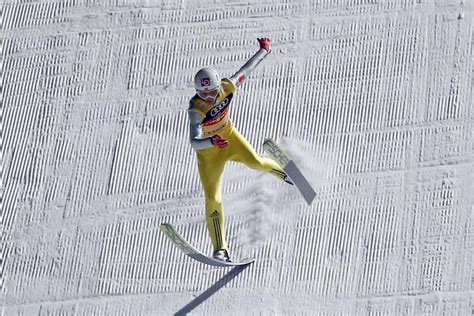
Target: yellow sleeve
column 196, row 105
column 228, row 85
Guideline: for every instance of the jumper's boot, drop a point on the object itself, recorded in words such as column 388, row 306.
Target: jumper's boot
column 222, row 255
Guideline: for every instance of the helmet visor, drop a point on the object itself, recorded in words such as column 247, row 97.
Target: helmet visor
column 207, row 94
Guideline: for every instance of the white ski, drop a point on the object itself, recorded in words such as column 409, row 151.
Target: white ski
column 189, row 250
column 277, row 153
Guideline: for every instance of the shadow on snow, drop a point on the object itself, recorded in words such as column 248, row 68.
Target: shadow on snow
column 212, row 290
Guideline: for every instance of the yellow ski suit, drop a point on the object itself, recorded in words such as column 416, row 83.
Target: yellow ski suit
column 208, row 120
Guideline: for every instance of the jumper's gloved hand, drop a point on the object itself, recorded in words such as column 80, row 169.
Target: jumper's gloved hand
column 265, row 43
column 219, row 142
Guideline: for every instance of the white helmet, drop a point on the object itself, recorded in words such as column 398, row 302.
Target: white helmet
column 207, row 79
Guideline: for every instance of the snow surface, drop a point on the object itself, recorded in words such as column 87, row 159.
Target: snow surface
column 373, row 100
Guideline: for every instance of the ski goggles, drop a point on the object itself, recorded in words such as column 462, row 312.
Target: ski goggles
column 207, row 94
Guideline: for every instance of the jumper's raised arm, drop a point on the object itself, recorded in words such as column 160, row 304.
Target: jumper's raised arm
column 208, row 110
column 239, row 77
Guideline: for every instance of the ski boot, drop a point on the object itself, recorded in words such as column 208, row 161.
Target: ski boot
column 288, row 180
column 222, row 255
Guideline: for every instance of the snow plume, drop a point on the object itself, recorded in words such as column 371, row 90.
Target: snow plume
column 258, row 203
column 260, row 217
column 316, row 164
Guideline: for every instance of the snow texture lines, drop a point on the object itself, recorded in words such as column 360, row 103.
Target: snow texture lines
column 372, row 100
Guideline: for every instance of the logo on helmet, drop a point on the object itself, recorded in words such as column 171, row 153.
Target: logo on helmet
column 205, row 82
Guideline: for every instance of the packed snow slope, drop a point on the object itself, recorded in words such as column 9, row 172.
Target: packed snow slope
column 372, row 99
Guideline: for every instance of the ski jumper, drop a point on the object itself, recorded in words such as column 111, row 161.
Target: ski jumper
column 208, row 120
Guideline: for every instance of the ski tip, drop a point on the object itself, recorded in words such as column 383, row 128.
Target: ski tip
column 165, row 226
column 241, row 263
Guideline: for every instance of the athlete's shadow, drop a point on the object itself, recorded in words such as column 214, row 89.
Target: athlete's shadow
column 213, row 289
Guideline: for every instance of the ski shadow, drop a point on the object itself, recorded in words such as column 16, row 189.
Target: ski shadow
column 212, row 290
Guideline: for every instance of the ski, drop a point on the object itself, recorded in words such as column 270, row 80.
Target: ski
column 278, row 154
column 192, row 252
